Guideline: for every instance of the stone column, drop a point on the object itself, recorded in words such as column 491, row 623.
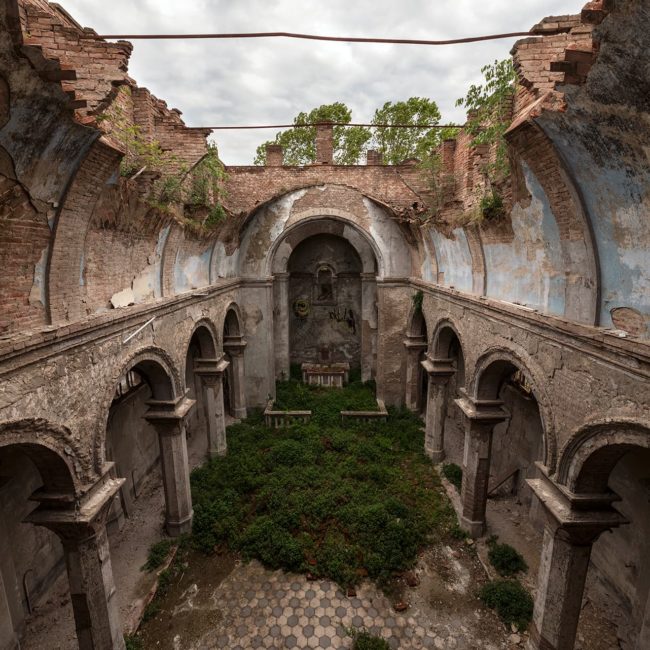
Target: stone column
column 414, row 345
column 82, row 530
column 281, row 309
column 12, row 615
column 439, row 372
column 480, row 419
column 573, row 524
column 168, row 419
column 368, row 324
column 234, row 346
column 211, row 373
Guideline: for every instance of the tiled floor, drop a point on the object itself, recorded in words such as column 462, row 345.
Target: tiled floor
column 264, row 609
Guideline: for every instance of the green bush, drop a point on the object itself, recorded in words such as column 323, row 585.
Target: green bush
column 454, row 474
column 505, row 559
column 339, row 503
column 133, row 642
column 511, row 601
column 366, row 641
column 158, row 553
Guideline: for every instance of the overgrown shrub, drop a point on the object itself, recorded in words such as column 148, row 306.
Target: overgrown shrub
column 158, row 553
column 133, row 642
column 454, row 474
column 365, row 641
column 339, row 503
column 511, row 601
column 505, row 559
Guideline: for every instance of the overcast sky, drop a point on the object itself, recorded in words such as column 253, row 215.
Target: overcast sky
column 268, row 81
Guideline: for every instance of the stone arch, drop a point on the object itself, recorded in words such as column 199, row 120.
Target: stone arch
column 208, row 338
column 318, row 222
column 441, row 341
column 489, row 372
column 417, row 322
column 159, row 370
column 48, row 446
column 590, row 455
column 233, row 321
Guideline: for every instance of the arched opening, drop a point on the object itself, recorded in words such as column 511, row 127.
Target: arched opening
column 447, row 346
column 201, row 346
column 517, row 442
column 325, row 296
column 33, row 580
column 619, row 577
column 417, row 379
column 132, row 441
column 234, row 393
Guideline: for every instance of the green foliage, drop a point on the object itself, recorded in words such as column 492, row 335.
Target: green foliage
column 489, row 106
column 418, row 298
column 397, row 144
column 206, row 180
column 339, row 503
column 363, row 640
column 158, row 553
column 325, row 403
column 492, row 206
column 350, row 143
column 511, row 601
column 133, row 642
column 454, row 474
column 299, row 142
column 505, row 559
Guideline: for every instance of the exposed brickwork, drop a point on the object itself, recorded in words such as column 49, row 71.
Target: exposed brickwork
column 24, row 242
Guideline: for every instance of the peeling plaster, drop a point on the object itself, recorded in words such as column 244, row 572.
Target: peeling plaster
column 454, row 259
column 37, row 293
column 529, row 270
column 192, row 272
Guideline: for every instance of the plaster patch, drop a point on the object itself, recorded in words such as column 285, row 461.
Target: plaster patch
column 37, row 292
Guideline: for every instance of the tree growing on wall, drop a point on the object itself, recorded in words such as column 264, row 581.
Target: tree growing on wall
column 489, row 107
column 350, row 143
column 398, row 144
column 299, row 142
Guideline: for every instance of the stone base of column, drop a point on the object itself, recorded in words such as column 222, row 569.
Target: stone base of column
column 178, row 528
column 475, row 529
column 240, row 413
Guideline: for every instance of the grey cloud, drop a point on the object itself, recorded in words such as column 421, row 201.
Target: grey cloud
column 269, row 81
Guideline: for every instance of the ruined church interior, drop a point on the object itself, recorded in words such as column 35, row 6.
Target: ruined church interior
column 171, row 326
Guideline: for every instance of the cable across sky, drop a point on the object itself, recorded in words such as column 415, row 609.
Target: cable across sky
column 308, row 124
column 310, row 37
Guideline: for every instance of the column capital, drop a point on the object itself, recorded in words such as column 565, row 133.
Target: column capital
column 482, row 412
column 415, row 343
column 169, row 412
column 439, row 370
column 283, row 276
column 234, row 345
column 204, row 367
column 578, row 519
column 74, row 524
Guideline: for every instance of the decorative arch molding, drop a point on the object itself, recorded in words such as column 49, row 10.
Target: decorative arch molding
column 208, row 335
column 157, row 359
column 52, row 449
column 66, row 263
column 416, row 319
column 441, row 325
column 304, row 188
column 233, row 308
column 317, row 221
column 521, row 360
column 591, row 453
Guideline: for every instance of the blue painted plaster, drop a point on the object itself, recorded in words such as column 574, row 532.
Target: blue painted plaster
column 530, row 269
column 454, row 259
